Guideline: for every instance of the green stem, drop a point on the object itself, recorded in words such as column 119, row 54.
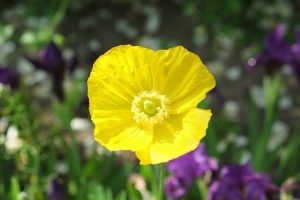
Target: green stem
column 160, row 176
column 202, row 186
column 59, row 15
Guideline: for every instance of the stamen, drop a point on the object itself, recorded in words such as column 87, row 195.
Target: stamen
column 150, row 108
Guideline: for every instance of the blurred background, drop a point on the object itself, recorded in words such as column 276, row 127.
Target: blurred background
column 47, row 50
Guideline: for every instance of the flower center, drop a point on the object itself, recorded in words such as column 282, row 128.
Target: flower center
column 150, row 108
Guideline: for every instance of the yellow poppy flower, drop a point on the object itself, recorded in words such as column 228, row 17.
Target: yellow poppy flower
column 145, row 101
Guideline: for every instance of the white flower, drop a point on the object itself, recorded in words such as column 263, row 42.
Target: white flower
column 258, row 96
column 279, row 134
column 231, row 109
column 233, row 73
column 153, row 19
column 150, row 42
column 285, row 102
column 200, row 35
column 12, row 141
column 240, row 141
column 61, row 167
column 22, row 196
column 81, row 124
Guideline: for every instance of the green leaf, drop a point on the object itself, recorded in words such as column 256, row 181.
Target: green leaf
column 272, row 91
column 14, row 188
column 253, row 125
column 96, row 191
column 73, row 160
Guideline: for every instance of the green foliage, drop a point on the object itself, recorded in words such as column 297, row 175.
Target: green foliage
column 272, row 90
column 14, row 189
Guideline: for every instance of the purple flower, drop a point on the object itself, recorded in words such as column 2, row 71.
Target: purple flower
column 239, row 182
column 186, row 169
column 9, row 77
column 276, row 50
column 175, row 188
column 55, row 190
column 51, row 60
column 192, row 165
column 295, row 62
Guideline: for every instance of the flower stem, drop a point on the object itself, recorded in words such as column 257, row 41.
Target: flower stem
column 160, row 178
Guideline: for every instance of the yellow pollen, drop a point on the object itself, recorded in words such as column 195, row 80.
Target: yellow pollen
column 150, row 108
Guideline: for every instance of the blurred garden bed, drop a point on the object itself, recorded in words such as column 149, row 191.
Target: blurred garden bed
column 47, row 150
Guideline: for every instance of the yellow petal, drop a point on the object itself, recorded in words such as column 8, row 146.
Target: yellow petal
column 118, row 76
column 117, row 131
column 186, row 80
column 175, row 144
column 166, row 132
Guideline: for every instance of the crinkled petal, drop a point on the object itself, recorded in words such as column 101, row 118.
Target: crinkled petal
column 118, row 76
column 184, row 78
column 116, row 131
column 167, row 144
